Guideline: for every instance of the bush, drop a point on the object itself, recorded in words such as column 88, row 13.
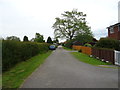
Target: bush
column 108, row 43
column 14, row 52
column 88, row 45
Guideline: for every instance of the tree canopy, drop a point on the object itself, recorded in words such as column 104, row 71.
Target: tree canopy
column 84, row 38
column 39, row 38
column 49, row 40
column 25, row 38
column 13, row 38
column 71, row 24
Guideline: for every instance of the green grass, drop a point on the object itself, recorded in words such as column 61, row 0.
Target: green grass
column 67, row 49
column 16, row 75
column 86, row 59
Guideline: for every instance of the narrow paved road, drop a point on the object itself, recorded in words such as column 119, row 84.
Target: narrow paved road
column 62, row 70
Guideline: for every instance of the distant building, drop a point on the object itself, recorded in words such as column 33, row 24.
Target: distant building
column 114, row 31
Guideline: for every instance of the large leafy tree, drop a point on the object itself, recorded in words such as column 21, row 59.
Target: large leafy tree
column 39, row 38
column 49, row 40
column 71, row 24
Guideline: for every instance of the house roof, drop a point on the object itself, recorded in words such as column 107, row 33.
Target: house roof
column 114, row 25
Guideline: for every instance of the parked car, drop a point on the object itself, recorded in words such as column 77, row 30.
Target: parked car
column 52, row 47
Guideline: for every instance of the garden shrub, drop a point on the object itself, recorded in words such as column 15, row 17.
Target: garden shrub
column 108, row 43
column 88, row 45
column 14, row 52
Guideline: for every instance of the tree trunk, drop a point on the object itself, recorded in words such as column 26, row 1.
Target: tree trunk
column 70, row 37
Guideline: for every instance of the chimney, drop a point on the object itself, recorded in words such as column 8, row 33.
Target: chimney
column 118, row 11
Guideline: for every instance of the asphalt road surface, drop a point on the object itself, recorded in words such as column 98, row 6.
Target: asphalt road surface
column 62, row 70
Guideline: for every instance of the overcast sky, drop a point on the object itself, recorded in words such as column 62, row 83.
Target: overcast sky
column 26, row 17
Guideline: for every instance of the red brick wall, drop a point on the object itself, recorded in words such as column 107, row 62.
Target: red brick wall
column 119, row 35
column 116, row 34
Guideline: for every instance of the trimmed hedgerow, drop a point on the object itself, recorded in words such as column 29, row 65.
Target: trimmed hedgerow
column 14, row 52
column 108, row 43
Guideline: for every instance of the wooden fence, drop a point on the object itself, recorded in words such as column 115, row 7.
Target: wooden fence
column 86, row 50
column 104, row 54
column 76, row 47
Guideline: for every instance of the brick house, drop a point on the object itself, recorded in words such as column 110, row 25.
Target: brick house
column 114, row 31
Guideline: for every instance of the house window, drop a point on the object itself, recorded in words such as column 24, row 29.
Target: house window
column 111, row 30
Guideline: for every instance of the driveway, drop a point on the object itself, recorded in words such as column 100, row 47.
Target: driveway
column 62, row 70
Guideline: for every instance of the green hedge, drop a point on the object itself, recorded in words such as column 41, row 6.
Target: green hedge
column 14, row 52
column 108, row 43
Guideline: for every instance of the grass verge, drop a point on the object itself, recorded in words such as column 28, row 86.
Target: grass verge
column 86, row 59
column 16, row 75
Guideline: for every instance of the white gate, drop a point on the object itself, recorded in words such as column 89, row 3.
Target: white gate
column 117, row 57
